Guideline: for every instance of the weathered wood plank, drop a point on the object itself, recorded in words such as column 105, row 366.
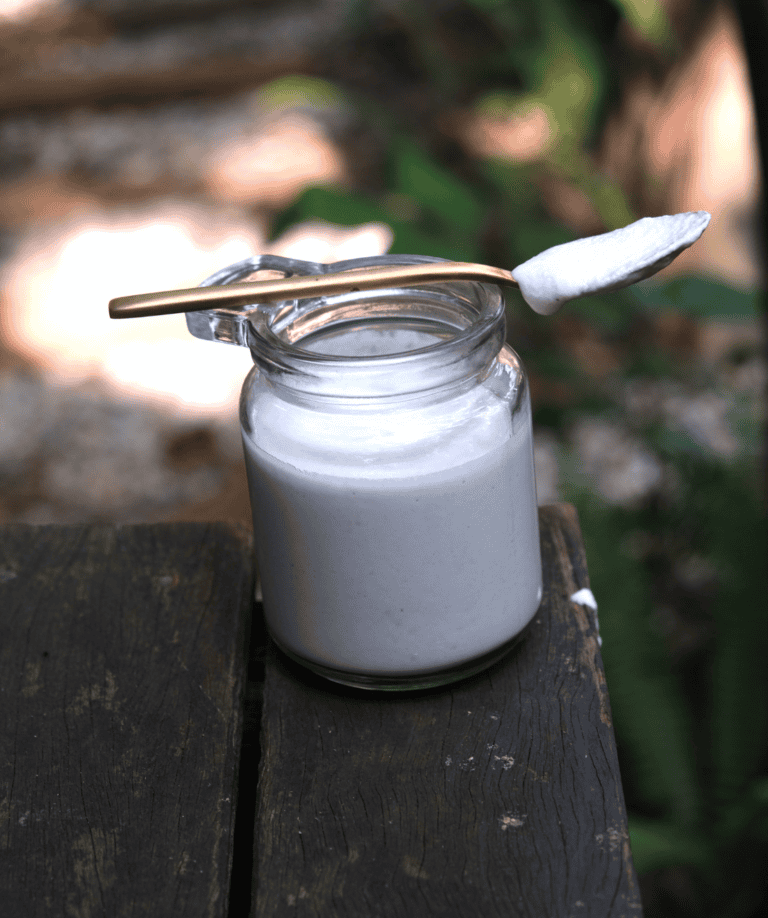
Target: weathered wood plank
column 498, row 796
column 136, row 83
column 161, row 58
column 121, row 675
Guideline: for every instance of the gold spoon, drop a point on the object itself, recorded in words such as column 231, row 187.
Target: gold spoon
column 595, row 264
column 241, row 294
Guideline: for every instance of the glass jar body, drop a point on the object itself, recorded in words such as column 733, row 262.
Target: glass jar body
column 395, row 525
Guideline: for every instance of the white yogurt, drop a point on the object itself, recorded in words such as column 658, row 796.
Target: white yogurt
column 395, row 542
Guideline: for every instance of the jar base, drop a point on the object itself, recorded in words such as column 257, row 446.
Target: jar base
column 406, row 682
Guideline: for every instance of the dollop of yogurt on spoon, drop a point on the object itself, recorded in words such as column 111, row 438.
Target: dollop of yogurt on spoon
column 606, row 262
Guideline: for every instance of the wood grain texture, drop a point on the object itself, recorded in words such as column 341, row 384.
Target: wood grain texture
column 103, row 56
column 121, row 668
column 498, row 796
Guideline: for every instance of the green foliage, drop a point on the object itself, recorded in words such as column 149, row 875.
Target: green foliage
column 705, row 804
column 299, row 90
column 435, row 189
column 699, row 298
column 656, row 845
column 650, row 713
column 563, row 70
column 649, row 18
column 735, row 525
column 420, row 232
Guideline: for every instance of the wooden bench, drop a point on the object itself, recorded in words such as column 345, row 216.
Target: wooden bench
column 149, row 765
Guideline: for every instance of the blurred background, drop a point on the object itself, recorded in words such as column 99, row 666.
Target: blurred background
column 146, row 143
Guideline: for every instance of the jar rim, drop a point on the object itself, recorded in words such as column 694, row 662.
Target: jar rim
column 471, row 315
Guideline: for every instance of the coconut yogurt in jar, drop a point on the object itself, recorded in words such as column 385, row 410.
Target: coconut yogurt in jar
column 388, row 445
column 389, row 454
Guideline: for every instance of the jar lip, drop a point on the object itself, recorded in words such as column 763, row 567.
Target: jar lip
column 488, row 316
column 470, row 313
column 285, row 312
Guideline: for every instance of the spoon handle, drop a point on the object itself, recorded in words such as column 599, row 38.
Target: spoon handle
column 238, row 295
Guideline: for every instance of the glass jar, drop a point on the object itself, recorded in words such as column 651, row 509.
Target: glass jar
column 389, row 452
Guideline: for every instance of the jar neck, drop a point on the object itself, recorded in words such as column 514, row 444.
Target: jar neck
column 395, row 343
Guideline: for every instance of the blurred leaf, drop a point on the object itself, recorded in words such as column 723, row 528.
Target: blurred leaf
column 720, row 514
column 332, row 204
column 652, row 719
column 610, row 313
column 607, row 196
column 650, row 19
column 651, row 363
column 410, row 240
column 759, row 794
column 700, row 297
column 564, row 70
column 745, row 816
column 299, row 90
column 435, row 188
column 747, row 426
column 529, row 237
column 554, row 364
column 516, row 184
column 343, row 208
column 674, row 444
column 657, row 845
column 739, row 718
